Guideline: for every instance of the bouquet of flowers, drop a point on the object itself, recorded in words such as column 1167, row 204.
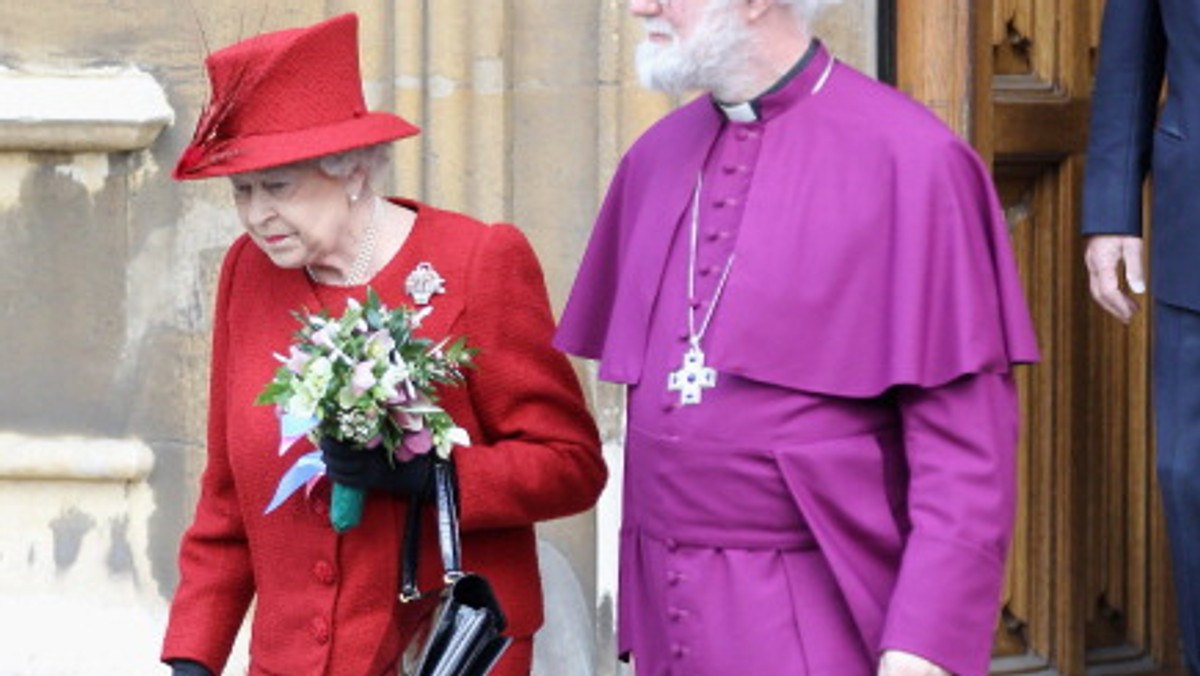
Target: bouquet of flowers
column 364, row 380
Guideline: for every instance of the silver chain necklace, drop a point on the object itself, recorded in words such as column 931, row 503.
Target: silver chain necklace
column 693, row 376
column 360, row 268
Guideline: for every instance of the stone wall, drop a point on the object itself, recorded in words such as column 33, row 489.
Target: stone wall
column 107, row 272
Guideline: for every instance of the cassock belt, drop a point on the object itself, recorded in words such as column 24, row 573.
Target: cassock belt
column 710, row 494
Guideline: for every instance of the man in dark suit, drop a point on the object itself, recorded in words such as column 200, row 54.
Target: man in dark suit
column 1143, row 42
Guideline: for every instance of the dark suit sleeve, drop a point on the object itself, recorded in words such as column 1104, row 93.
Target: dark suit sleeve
column 1124, row 108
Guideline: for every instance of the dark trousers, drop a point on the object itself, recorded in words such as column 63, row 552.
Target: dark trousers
column 1177, row 422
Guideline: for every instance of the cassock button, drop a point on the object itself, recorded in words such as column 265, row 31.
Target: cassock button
column 320, row 507
column 672, row 545
column 730, row 169
column 676, row 614
column 741, row 134
column 678, row 652
column 714, row 235
column 674, row 578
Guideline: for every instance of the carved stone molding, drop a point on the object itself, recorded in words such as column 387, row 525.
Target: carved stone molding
column 73, row 458
column 87, row 110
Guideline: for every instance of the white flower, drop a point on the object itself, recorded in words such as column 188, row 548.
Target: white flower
column 302, row 404
column 294, row 360
column 324, row 336
column 455, row 436
column 380, row 344
column 318, row 373
column 395, row 375
column 348, row 396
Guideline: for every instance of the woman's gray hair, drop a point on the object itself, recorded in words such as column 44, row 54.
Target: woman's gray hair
column 372, row 159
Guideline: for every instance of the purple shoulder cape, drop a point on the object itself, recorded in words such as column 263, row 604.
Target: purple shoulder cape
column 873, row 251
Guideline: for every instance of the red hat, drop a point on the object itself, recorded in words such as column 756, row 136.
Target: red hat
column 283, row 97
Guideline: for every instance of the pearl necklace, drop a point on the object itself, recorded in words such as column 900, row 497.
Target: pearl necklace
column 361, row 267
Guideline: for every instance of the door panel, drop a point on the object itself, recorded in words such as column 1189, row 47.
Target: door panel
column 1087, row 586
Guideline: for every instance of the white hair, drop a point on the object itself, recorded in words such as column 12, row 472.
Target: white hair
column 372, row 159
column 715, row 56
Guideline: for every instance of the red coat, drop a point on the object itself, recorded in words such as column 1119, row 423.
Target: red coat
column 326, row 604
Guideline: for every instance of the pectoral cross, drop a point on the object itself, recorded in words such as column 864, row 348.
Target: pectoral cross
column 691, row 379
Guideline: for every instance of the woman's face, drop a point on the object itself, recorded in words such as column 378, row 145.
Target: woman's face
column 298, row 215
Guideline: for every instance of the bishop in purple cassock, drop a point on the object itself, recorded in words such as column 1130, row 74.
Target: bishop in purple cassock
column 811, row 297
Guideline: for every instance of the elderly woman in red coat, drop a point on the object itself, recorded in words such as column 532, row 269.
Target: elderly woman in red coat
column 288, row 126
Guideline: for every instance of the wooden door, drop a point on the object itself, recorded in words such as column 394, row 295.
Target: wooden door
column 1088, row 589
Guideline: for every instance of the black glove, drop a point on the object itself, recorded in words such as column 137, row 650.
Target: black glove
column 369, row 469
column 188, row 668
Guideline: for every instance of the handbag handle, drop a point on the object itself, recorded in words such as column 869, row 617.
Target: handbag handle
column 443, row 481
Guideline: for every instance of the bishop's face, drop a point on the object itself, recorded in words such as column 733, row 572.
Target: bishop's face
column 668, row 22
column 691, row 44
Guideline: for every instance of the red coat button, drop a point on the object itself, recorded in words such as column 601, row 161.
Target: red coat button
column 323, row 571
column 320, row 630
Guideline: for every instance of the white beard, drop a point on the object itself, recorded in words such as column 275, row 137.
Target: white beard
column 713, row 58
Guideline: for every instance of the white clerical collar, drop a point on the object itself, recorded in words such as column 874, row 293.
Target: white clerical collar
column 739, row 112
column 751, row 111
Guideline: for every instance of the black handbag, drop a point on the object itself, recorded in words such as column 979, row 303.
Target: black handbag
column 462, row 635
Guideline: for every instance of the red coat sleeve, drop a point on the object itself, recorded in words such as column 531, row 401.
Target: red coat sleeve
column 960, row 441
column 216, row 583
column 540, row 453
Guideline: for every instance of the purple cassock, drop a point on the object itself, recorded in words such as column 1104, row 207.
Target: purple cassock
column 847, row 484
